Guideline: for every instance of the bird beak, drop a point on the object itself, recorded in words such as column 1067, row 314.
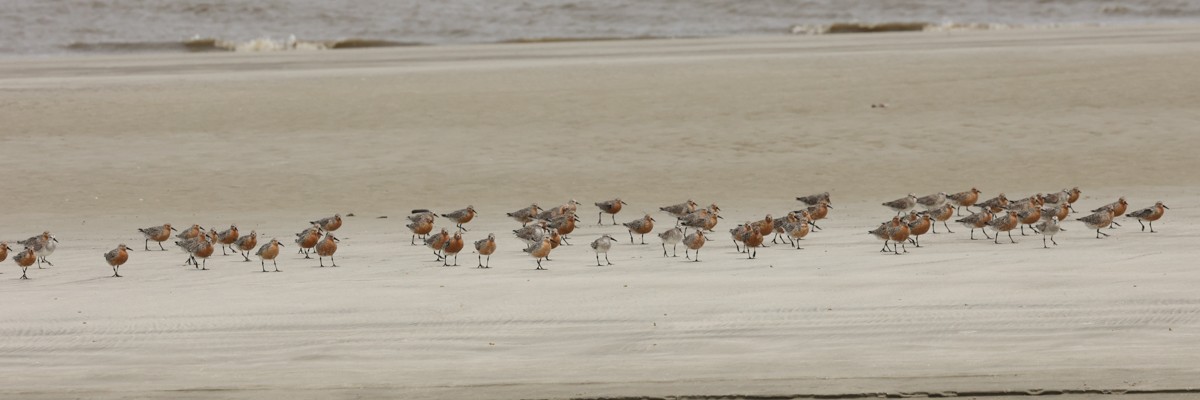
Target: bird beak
column 1165, row 206
column 174, row 230
column 128, row 249
column 279, row 244
column 827, row 205
column 720, row 217
column 54, row 239
column 624, row 203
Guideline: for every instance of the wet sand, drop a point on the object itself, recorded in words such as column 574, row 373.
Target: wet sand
column 97, row 147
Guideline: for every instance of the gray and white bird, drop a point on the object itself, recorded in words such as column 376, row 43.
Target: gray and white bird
column 902, row 204
column 603, row 245
column 1049, row 228
column 672, row 237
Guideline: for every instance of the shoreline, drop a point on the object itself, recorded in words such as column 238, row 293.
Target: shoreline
column 268, row 45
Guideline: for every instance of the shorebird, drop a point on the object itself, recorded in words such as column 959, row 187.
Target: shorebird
column 24, row 259
column 4, row 249
column 569, row 208
column 681, row 209
column 714, row 213
column 781, row 226
column 198, row 247
column 902, row 204
column 817, row 213
column 933, row 201
column 918, row 224
column 532, row 233
column 43, row 245
column 1029, row 216
column 246, row 243
column 797, row 228
column 436, row 242
column 308, row 239
column 942, row 215
column 188, row 245
column 737, row 233
column 326, row 248
column 812, row 200
column 882, row 233
column 764, row 226
column 641, row 226
column 1057, row 198
column 555, row 241
column 227, row 237
column 671, row 236
column 452, row 246
column 421, row 214
column 1074, row 197
column 694, row 242
column 752, row 239
column 964, row 199
column 604, row 244
column 1004, row 223
column 995, row 204
column 1061, row 211
column 268, row 252
column 572, row 206
column 525, row 215
column 977, row 221
column 158, row 234
column 564, row 225
column 539, row 250
column 329, row 224
column 1099, row 219
column 420, row 225
column 1049, row 228
column 1034, row 201
column 117, row 257
column 485, row 247
column 1149, row 214
column 190, row 233
column 461, row 217
column 695, row 220
column 611, row 207
column 1118, row 207
column 898, row 232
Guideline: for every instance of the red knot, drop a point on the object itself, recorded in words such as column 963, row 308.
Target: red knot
column 485, row 247
column 977, row 221
column 116, row 258
column 453, row 246
column 964, row 199
column 269, row 251
column 611, row 207
column 461, row 217
column 158, row 234
column 1149, row 214
column 245, row 244
column 1098, row 220
column 326, row 248
column 640, row 226
column 329, row 224
column 24, row 259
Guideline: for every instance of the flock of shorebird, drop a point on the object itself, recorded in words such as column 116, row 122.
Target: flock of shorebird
column 196, row 241
column 1000, row 215
column 544, row 230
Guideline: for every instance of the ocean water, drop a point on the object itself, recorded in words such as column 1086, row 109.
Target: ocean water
column 52, row 27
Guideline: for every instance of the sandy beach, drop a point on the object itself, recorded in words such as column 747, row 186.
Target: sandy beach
column 94, row 148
